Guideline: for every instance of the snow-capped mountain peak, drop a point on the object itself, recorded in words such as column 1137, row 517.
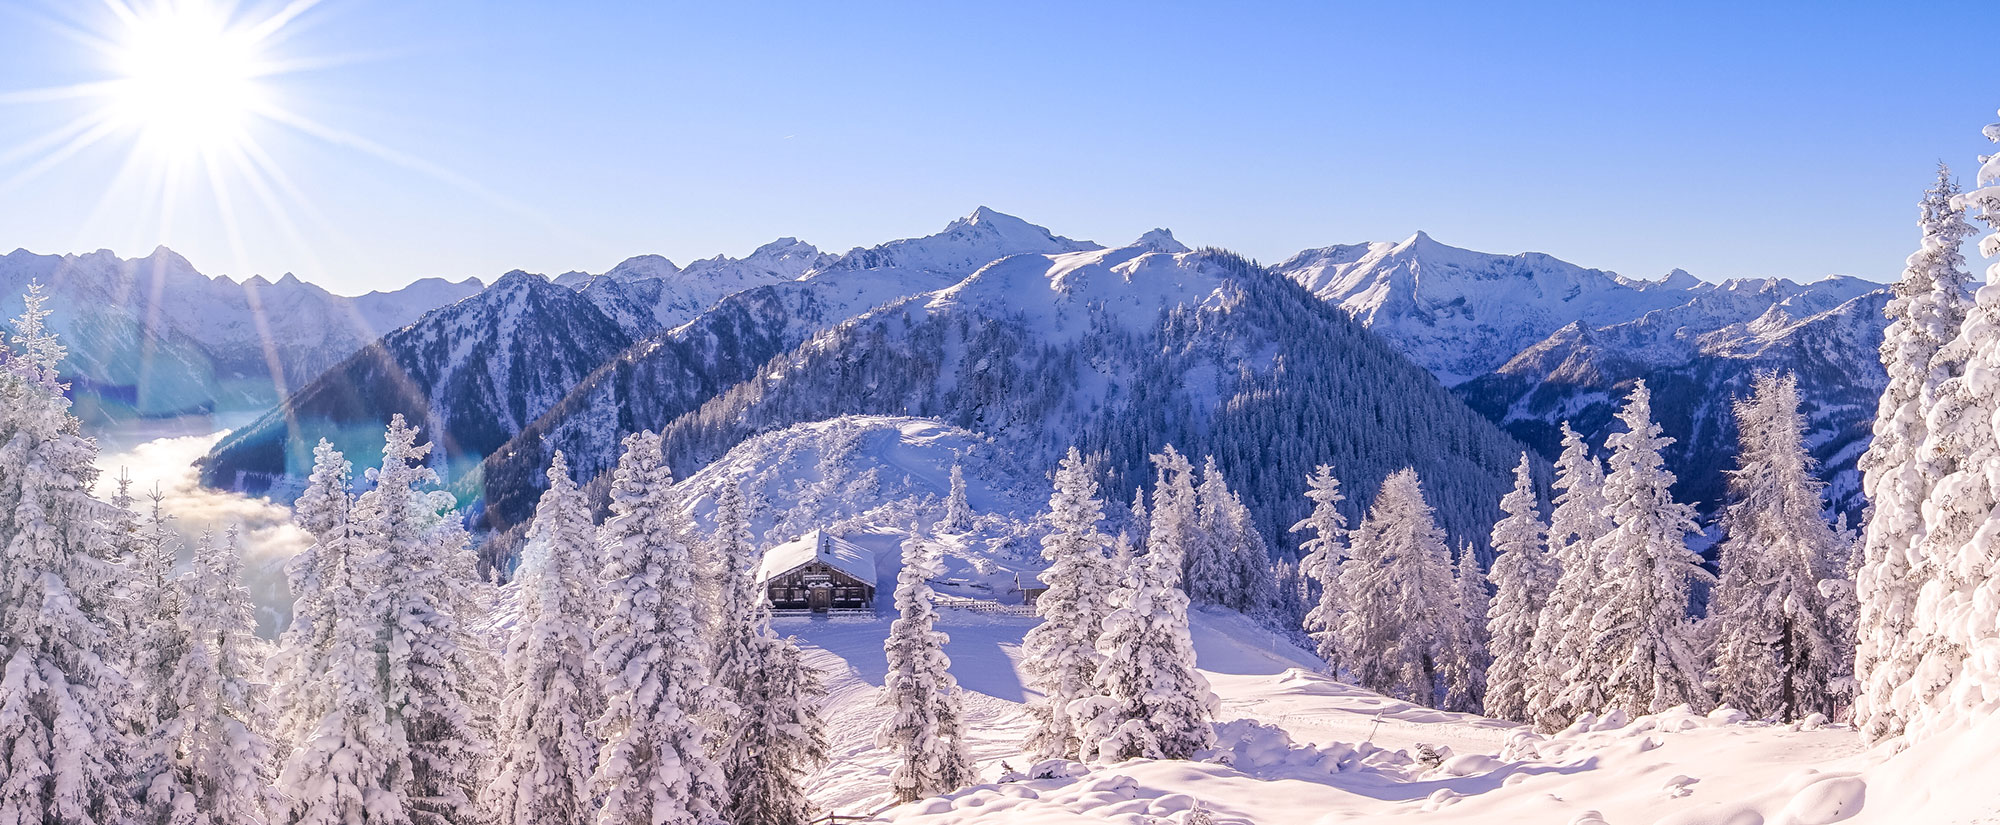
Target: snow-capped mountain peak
column 642, row 267
column 964, row 246
column 1161, row 240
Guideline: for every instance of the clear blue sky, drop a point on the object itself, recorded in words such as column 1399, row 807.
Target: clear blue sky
column 1729, row 139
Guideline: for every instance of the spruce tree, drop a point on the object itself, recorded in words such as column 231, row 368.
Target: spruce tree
column 1324, row 553
column 1524, row 575
column 957, row 510
column 65, row 754
column 1211, row 575
column 218, row 759
column 1641, row 629
column 772, row 737
column 654, row 767
column 1930, row 305
column 1060, row 654
column 420, row 558
column 1404, row 625
column 1776, row 654
column 299, row 665
column 1150, row 700
column 344, row 752
column 546, row 752
column 1957, row 625
column 925, row 731
column 1466, row 679
column 1563, row 682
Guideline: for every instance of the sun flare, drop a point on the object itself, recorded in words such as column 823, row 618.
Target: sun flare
column 187, row 79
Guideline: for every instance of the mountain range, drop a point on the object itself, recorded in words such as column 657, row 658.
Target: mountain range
column 1038, row 341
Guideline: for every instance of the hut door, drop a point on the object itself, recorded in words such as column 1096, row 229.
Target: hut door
column 821, row 597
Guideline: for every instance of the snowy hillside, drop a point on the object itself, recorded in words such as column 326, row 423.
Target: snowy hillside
column 1297, row 747
column 867, row 478
column 473, row 373
column 153, row 337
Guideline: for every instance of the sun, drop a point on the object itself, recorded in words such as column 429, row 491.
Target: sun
column 187, row 80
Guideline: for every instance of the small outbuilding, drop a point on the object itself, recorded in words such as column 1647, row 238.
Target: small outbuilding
column 818, row 571
column 1031, row 586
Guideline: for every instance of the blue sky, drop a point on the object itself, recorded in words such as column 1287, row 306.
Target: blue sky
column 477, row 137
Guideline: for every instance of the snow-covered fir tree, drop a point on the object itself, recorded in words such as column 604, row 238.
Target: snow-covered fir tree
column 344, row 751
column 1956, row 633
column 1641, row 629
column 957, row 508
column 1931, row 302
column 925, row 731
column 299, row 665
column 1150, row 701
column 1405, row 632
column 545, row 750
column 1563, row 681
column 1060, row 654
column 435, row 673
column 218, row 760
column 1254, row 588
column 64, row 751
column 1524, row 574
column 1776, row 655
column 1324, row 553
column 654, row 767
column 772, row 737
column 1466, row 674
column 158, row 600
column 1210, row 572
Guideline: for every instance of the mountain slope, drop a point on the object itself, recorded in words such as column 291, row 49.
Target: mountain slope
column 473, row 374
column 154, row 337
column 1696, row 370
column 1461, row 313
column 1121, row 351
column 649, row 293
column 671, row 373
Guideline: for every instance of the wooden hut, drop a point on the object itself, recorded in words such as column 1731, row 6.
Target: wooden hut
column 818, row 571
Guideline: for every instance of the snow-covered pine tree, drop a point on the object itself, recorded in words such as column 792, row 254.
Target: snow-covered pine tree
column 159, row 605
column 1324, row 553
column 1563, row 683
column 1150, row 701
column 1775, row 650
column 64, row 751
column 1255, row 586
column 1930, row 305
column 780, row 736
column 1404, row 627
column 546, row 752
column 771, row 734
column 925, row 731
column 1060, row 654
column 1211, row 574
column 218, row 759
column 1466, row 679
column 344, row 751
column 420, row 559
column 1957, row 628
column 1641, row 629
column 654, row 767
column 298, row 666
column 1524, row 574
column 957, row 509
